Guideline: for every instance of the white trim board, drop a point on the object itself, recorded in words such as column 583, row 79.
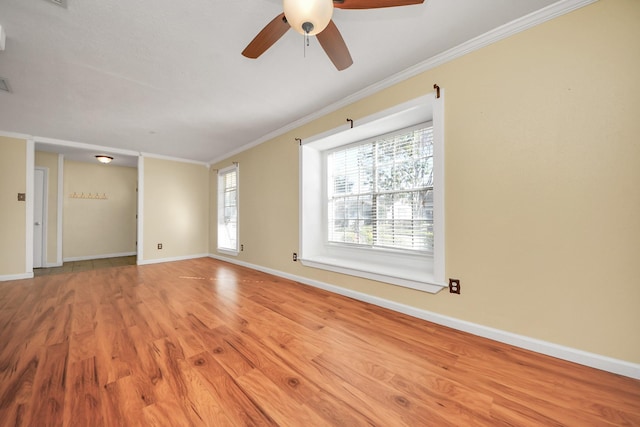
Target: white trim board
column 8, row 277
column 140, row 210
column 60, row 203
column 14, row 135
column 45, row 215
column 171, row 259
column 90, row 257
column 593, row 360
column 174, row 159
column 85, row 146
column 53, row 264
column 30, row 178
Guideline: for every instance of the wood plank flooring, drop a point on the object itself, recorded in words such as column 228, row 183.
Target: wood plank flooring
column 205, row 343
column 89, row 264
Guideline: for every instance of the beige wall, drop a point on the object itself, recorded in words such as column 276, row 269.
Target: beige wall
column 13, row 172
column 176, row 209
column 268, row 208
column 50, row 161
column 96, row 227
column 542, row 169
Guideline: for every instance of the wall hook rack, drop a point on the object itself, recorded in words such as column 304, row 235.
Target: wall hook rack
column 89, row 196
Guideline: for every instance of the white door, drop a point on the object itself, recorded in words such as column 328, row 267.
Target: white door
column 39, row 205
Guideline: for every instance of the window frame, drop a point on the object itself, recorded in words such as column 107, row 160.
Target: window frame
column 221, row 222
column 397, row 267
column 372, row 140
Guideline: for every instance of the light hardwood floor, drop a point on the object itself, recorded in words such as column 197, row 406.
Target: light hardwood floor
column 202, row 342
column 89, row 264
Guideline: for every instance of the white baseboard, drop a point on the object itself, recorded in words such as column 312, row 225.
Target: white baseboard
column 178, row 258
column 53, row 264
column 8, row 277
column 593, row 360
column 90, row 257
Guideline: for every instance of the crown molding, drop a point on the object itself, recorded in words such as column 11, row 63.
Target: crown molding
column 84, row 146
column 101, row 148
column 174, row 159
column 507, row 30
column 15, row 135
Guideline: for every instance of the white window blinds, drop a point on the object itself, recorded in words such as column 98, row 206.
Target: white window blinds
column 380, row 192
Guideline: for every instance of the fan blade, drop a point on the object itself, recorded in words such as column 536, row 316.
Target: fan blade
column 333, row 44
column 372, row 4
column 270, row 34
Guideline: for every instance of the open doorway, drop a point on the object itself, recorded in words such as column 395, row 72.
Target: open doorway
column 90, row 211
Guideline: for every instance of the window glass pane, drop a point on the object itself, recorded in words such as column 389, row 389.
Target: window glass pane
column 380, row 192
column 228, row 210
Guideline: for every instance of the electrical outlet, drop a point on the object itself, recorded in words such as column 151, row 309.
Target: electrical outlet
column 159, row 245
column 241, row 248
column 454, row 286
column 295, row 256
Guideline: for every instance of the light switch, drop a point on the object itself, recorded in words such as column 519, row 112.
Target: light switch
column 22, row 197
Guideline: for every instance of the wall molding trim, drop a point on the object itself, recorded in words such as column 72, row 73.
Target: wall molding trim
column 84, row 146
column 53, row 264
column 7, row 277
column 90, row 257
column 29, row 207
column 14, row 135
column 60, row 202
column 174, row 159
column 581, row 357
column 140, row 211
column 171, row 259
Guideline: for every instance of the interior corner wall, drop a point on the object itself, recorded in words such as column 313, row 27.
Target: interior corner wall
column 50, row 161
column 542, row 204
column 13, row 172
column 94, row 226
column 176, row 210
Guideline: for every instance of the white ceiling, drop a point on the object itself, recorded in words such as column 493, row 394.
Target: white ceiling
column 167, row 77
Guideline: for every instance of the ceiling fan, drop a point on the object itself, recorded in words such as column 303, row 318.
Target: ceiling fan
column 313, row 17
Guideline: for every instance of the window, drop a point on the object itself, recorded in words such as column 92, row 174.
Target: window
column 380, row 192
column 228, row 210
column 372, row 197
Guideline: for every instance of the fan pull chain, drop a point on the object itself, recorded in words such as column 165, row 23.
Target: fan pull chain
column 307, row 27
column 306, row 44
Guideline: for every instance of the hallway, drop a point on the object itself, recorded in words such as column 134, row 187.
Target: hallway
column 90, row 264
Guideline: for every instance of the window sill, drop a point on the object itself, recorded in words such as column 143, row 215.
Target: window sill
column 415, row 277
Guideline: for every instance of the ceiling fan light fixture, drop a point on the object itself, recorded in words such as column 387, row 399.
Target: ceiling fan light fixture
column 308, row 16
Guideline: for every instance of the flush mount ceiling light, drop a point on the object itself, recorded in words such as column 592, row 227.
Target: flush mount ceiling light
column 104, row 159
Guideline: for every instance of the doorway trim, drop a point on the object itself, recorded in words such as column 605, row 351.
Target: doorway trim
column 59, row 202
column 29, row 208
column 45, row 217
